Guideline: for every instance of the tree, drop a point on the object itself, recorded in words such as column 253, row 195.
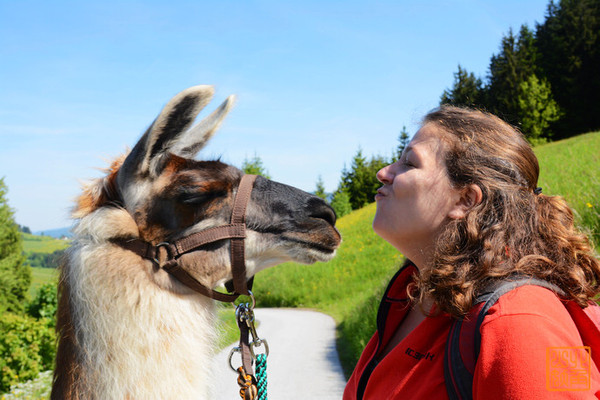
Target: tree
column 466, row 90
column 568, row 42
column 403, row 140
column 15, row 275
column 320, row 191
column 360, row 183
column 341, row 203
column 255, row 166
column 515, row 62
column 356, row 181
column 24, row 229
column 537, row 109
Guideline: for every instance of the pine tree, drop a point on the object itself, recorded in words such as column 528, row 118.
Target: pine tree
column 355, row 181
column 569, row 45
column 360, row 183
column 403, row 140
column 466, row 90
column 320, row 191
column 15, row 275
column 255, row 166
column 515, row 62
column 341, row 203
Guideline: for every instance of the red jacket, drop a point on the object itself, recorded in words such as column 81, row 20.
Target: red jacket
column 516, row 334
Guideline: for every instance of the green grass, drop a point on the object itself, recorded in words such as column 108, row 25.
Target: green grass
column 42, row 244
column 40, row 276
column 571, row 168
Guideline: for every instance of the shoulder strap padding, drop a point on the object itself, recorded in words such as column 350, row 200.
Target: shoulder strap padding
column 464, row 338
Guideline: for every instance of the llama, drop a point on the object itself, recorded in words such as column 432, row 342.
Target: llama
column 127, row 328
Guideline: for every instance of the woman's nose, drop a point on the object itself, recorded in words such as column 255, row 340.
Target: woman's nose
column 384, row 175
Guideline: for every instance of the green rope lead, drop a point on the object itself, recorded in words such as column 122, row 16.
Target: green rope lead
column 261, row 376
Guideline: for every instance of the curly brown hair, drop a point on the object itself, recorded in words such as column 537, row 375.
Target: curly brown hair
column 513, row 230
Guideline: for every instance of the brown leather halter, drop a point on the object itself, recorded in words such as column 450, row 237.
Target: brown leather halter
column 236, row 231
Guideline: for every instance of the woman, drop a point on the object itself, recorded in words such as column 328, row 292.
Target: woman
column 462, row 204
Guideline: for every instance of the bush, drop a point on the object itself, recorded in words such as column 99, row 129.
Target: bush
column 45, row 303
column 27, row 347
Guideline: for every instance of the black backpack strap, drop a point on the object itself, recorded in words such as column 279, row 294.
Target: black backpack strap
column 464, row 338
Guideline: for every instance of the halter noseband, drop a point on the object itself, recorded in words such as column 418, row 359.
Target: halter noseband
column 236, row 231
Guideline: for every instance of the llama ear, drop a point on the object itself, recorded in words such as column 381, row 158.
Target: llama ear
column 194, row 139
column 171, row 123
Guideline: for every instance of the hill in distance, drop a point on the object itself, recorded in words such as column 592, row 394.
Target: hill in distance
column 55, row 233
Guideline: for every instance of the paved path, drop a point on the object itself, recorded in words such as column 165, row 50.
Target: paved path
column 302, row 363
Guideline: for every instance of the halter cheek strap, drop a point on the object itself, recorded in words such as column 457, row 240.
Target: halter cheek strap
column 235, row 231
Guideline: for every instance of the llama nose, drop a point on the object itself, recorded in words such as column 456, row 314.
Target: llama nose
column 319, row 209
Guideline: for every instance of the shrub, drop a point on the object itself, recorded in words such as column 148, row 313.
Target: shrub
column 45, row 303
column 27, row 347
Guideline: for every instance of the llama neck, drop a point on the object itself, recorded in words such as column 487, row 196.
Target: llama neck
column 132, row 338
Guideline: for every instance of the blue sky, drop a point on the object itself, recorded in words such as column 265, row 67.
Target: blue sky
column 315, row 80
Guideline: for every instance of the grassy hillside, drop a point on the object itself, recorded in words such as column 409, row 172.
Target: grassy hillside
column 571, row 168
column 350, row 286
column 42, row 244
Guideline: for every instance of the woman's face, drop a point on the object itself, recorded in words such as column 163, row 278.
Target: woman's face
column 416, row 197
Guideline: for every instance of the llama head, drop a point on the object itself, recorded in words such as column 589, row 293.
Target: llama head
column 169, row 195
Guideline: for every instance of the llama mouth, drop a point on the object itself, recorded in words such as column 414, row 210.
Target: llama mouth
column 319, row 249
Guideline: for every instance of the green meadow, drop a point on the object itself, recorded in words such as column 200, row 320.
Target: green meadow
column 42, row 244
column 571, row 168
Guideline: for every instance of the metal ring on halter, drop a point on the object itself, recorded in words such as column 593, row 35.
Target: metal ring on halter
column 234, row 350
column 158, row 246
column 247, row 306
column 253, row 299
column 259, row 343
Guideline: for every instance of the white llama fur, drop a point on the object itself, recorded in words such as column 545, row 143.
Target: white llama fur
column 142, row 342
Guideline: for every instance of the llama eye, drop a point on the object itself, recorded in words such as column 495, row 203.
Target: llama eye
column 196, row 198
column 192, row 199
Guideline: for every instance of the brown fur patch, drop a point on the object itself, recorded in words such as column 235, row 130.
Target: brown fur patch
column 65, row 377
column 99, row 192
column 186, row 192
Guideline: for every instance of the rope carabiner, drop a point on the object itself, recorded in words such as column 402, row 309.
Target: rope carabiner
column 248, row 383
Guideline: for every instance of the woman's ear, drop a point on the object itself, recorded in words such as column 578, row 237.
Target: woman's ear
column 468, row 198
